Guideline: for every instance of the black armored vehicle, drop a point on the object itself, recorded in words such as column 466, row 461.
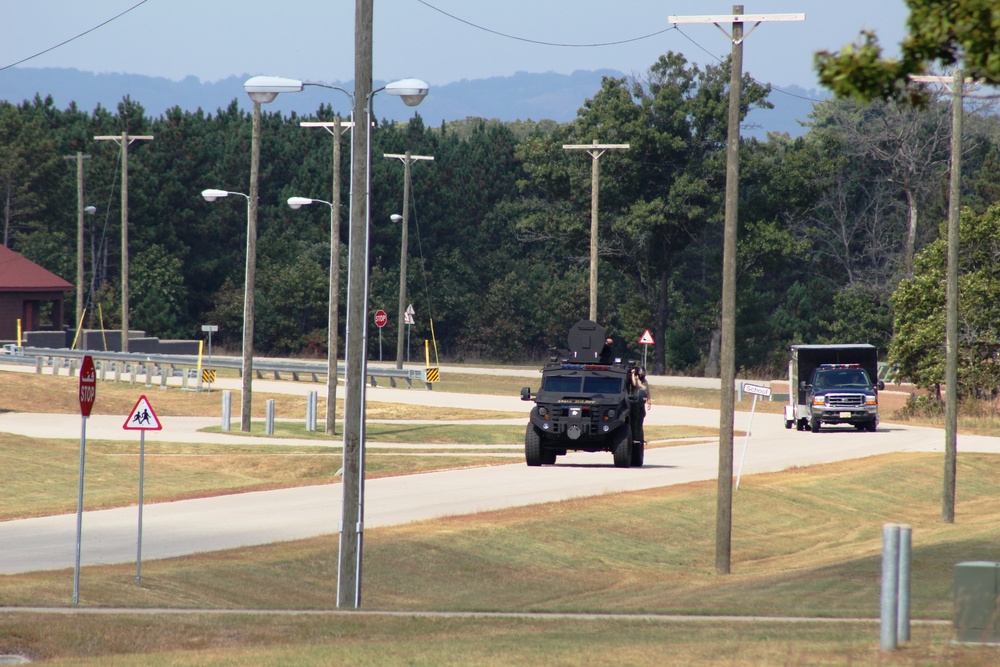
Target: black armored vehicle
column 584, row 403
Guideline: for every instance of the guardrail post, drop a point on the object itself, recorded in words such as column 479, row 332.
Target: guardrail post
column 163, row 375
column 39, row 362
column 269, row 423
column 227, row 409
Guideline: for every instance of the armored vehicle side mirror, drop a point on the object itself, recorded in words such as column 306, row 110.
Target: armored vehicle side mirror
column 881, row 385
column 525, row 393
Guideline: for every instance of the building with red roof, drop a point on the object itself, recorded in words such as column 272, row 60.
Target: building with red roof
column 30, row 294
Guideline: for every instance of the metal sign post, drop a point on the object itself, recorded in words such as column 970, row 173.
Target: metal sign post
column 380, row 321
column 142, row 418
column 87, row 394
column 756, row 390
column 646, row 340
column 210, row 328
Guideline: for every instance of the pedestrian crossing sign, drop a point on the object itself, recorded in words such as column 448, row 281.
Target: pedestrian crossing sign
column 142, row 417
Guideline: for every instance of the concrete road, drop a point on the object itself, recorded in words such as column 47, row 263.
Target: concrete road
column 173, row 529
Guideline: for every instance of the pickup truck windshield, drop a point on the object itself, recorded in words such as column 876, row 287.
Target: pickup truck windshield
column 855, row 379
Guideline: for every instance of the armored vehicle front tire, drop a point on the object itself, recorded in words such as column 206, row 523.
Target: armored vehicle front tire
column 533, row 447
column 621, row 446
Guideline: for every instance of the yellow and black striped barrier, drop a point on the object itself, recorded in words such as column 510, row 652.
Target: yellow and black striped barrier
column 208, row 375
column 433, row 375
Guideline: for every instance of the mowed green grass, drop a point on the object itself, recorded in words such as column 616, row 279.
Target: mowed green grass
column 806, row 543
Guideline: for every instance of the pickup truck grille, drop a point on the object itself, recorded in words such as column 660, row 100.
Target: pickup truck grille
column 845, row 400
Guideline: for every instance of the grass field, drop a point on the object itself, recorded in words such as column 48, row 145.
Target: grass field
column 806, row 543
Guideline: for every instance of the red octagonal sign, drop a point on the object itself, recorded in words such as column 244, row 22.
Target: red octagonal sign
column 88, row 386
column 381, row 318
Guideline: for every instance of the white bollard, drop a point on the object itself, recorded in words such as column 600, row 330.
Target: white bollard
column 227, row 409
column 903, row 593
column 890, row 586
column 269, row 423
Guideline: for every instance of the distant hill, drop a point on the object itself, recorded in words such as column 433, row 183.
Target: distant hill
column 523, row 96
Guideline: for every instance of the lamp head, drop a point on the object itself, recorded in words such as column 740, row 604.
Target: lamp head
column 90, row 209
column 396, row 217
column 412, row 91
column 212, row 195
column 299, row 202
column 264, row 89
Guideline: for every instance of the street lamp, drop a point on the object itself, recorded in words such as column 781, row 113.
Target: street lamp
column 248, row 300
column 356, row 356
column 412, row 92
column 261, row 89
column 331, row 335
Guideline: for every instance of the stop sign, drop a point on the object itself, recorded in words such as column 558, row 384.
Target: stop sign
column 381, row 318
column 88, row 386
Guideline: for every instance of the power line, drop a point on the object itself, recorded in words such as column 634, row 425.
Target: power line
column 71, row 39
column 541, row 42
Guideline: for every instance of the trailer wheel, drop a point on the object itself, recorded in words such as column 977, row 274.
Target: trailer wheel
column 800, row 424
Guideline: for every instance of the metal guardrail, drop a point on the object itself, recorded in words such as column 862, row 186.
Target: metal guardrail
column 188, row 366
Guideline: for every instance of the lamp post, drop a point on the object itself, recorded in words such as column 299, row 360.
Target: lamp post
column 261, row 89
column 412, row 92
column 248, row 300
column 331, row 338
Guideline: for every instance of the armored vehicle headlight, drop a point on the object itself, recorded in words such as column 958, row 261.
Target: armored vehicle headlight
column 542, row 412
column 610, row 414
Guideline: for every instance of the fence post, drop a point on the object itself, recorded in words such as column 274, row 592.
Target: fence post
column 269, row 423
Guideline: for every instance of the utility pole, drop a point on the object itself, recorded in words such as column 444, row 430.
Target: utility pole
column 407, row 160
column 352, row 522
column 124, row 140
column 79, row 157
column 727, row 362
column 595, row 150
column 336, row 129
column 956, row 86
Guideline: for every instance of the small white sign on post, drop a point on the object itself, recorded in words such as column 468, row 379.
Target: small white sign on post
column 756, row 390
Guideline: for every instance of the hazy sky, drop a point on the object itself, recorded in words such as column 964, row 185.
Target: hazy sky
column 433, row 40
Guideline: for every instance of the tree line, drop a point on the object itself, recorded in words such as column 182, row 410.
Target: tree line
column 839, row 238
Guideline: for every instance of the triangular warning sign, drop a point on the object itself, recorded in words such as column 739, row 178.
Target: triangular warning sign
column 142, row 417
column 647, row 338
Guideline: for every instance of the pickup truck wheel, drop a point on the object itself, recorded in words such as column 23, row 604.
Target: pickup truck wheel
column 621, row 444
column 814, row 425
column 872, row 425
column 533, row 447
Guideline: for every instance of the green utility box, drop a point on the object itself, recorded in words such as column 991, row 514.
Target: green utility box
column 977, row 602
